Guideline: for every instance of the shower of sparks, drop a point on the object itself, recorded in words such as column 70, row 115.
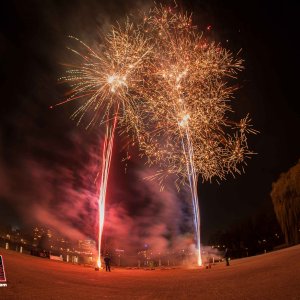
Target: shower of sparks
column 186, row 93
column 108, row 74
column 105, row 80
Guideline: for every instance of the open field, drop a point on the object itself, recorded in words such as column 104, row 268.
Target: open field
column 273, row 275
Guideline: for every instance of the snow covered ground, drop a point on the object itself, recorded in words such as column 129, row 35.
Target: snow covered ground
column 274, row 275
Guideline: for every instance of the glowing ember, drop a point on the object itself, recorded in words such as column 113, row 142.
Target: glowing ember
column 99, row 263
column 116, row 82
column 184, row 121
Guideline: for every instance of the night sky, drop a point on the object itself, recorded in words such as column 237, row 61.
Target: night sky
column 48, row 164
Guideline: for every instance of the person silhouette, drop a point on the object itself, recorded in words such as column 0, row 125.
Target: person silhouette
column 107, row 263
column 227, row 256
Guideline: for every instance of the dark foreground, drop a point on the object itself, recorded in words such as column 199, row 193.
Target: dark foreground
column 273, row 275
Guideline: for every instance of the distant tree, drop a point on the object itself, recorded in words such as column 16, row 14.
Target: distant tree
column 286, row 200
column 251, row 235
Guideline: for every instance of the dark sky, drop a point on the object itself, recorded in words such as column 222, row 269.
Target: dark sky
column 42, row 149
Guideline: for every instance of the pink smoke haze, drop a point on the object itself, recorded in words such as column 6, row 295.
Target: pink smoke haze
column 63, row 196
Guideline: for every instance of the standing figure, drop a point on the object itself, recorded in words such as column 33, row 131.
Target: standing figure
column 107, row 263
column 227, row 256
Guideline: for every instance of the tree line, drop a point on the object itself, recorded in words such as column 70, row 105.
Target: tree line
column 275, row 225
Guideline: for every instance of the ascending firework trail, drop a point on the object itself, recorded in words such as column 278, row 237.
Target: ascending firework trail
column 106, row 159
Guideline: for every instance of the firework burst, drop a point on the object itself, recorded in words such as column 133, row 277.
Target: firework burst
column 170, row 86
column 186, row 91
column 108, row 74
column 106, row 80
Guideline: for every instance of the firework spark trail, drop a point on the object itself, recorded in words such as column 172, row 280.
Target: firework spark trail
column 106, row 159
column 192, row 177
column 188, row 152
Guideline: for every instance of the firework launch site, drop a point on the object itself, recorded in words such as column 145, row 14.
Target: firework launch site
column 272, row 275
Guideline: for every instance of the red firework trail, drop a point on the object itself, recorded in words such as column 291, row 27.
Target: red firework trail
column 106, row 159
